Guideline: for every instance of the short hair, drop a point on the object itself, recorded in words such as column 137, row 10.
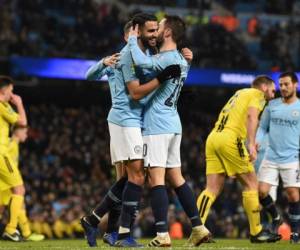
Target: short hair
column 177, row 25
column 127, row 26
column 292, row 75
column 5, row 81
column 141, row 18
column 262, row 79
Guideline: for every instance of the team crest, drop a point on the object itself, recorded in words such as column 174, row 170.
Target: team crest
column 137, row 149
column 295, row 113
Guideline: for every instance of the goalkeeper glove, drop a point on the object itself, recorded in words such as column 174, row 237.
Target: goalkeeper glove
column 171, row 71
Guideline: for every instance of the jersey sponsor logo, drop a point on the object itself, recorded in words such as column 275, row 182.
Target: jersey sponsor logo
column 138, row 149
column 284, row 122
column 295, row 113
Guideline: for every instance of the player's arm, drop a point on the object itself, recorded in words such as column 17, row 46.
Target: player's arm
column 10, row 115
column 255, row 106
column 98, row 70
column 263, row 125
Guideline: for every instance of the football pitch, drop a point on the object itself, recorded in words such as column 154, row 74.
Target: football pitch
column 176, row 244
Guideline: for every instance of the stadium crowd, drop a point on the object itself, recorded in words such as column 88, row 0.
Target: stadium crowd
column 66, row 167
column 79, row 29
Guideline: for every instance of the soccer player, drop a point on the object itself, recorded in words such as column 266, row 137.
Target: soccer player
column 10, row 177
column 162, row 132
column 19, row 134
column 226, row 153
column 126, row 139
column 281, row 119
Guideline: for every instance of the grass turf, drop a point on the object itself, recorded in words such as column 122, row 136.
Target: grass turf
column 176, row 244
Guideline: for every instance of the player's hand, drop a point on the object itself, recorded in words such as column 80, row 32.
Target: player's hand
column 252, row 152
column 171, row 71
column 187, row 54
column 15, row 99
column 133, row 31
column 111, row 60
column 257, row 146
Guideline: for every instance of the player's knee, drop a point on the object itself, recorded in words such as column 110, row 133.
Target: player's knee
column 137, row 178
column 292, row 194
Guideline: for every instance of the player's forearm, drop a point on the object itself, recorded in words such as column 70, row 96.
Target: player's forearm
column 138, row 56
column 96, row 71
column 143, row 90
column 252, row 124
column 22, row 114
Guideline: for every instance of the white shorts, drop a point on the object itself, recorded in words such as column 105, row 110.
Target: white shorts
column 126, row 143
column 162, row 150
column 269, row 172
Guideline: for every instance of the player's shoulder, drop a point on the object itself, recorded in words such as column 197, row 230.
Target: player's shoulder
column 275, row 102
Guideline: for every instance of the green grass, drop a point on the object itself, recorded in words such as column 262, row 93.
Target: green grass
column 177, row 244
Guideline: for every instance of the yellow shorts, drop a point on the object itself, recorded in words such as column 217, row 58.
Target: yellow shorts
column 10, row 175
column 226, row 153
column 5, row 196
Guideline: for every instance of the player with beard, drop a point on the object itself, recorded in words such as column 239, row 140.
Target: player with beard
column 126, row 143
column 281, row 120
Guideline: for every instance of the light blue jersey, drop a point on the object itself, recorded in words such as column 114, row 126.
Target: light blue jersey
column 160, row 114
column 125, row 111
column 282, row 121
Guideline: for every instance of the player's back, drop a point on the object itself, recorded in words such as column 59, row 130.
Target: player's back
column 161, row 114
column 233, row 116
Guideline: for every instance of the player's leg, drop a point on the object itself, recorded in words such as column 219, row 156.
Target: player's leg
column 215, row 176
column 268, row 176
column 155, row 159
column 187, row 199
column 113, row 198
column 133, row 189
column 251, row 206
column 14, row 209
column 111, row 233
column 290, row 176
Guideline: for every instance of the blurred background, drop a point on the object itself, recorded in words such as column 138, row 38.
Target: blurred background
column 47, row 45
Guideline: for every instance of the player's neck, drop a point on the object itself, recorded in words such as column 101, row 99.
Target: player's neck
column 168, row 45
column 2, row 98
column 290, row 100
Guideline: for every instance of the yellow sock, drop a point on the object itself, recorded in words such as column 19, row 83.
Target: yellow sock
column 204, row 202
column 252, row 208
column 15, row 207
column 24, row 223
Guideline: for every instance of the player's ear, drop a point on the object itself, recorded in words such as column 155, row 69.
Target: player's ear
column 167, row 32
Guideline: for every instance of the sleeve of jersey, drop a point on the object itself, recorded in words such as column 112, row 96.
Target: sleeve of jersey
column 128, row 68
column 96, row 71
column 257, row 102
column 263, row 125
column 8, row 113
column 141, row 59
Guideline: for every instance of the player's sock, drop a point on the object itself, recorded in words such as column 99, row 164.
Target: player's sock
column 204, row 203
column 294, row 216
column 188, row 202
column 251, row 206
column 113, row 219
column 269, row 205
column 24, row 223
column 130, row 202
column 112, row 199
column 15, row 207
column 159, row 205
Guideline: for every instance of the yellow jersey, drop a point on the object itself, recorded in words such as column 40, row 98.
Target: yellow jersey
column 13, row 151
column 233, row 116
column 8, row 117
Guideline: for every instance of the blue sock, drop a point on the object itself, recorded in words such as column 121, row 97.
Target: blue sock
column 160, row 204
column 188, row 202
column 294, row 216
column 131, row 197
column 112, row 199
